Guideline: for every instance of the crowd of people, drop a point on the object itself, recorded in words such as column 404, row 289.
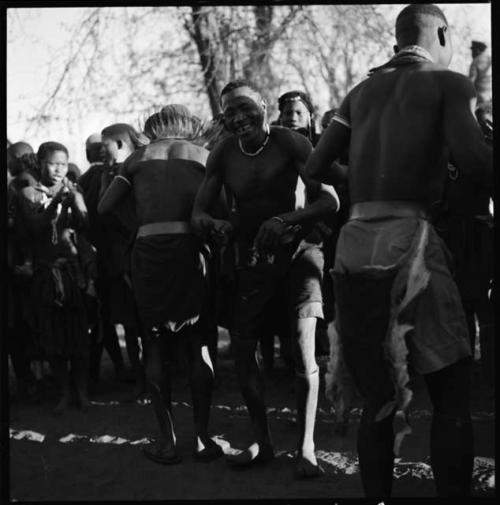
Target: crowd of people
column 271, row 229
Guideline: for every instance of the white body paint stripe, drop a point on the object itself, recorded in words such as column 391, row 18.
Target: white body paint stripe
column 342, row 120
column 346, row 463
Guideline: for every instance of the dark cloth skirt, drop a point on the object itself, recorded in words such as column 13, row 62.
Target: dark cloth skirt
column 169, row 279
column 60, row 311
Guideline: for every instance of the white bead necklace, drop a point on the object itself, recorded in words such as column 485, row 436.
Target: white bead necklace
column 259, row 150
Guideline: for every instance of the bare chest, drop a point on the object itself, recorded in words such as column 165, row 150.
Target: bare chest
column 268, row 175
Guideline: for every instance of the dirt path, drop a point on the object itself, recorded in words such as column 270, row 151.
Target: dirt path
column 97, row 455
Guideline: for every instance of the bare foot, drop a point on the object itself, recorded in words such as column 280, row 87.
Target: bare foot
column 61, row 407
column 306, row 468
column 251, row 456
column 84, row 402
column 207, row 450
column 159, row 453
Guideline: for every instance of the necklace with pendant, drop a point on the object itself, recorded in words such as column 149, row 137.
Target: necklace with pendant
column 259, row 150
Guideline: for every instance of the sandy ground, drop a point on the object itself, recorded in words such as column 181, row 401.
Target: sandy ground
column 97, row 455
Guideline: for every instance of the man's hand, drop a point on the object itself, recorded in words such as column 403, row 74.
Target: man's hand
column 66, row 194
column 24, row 270
column 218, row 230
column 270, row 234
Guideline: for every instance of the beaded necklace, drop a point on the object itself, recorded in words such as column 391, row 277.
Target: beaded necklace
column 259, row 150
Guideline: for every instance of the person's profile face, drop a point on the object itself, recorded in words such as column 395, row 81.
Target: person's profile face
column 244, row 112
column 295, row 115
column 96, row 152
column 111, row 147
column 55, row 167
column 476, row 50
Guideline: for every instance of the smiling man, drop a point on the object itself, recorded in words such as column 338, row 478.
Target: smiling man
column 259, row 167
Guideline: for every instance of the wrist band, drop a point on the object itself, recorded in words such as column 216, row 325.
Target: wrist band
column 280, row 219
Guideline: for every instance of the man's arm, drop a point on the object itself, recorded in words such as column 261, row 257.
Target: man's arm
column 37, row 216
column 79, row 209
column 120, row 187
column 473, row 72
column 207, row 196
column 333, row 142
column 463, row 137
column 321, row 200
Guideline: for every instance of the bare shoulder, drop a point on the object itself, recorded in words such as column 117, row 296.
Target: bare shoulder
column 454, row 83
column 135, row 157
column 186, row 150
column 291, row 142
column 353, row 94
column 198, row 153
column 223, row 149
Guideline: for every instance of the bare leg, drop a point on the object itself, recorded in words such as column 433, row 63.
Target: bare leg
column 133, row 351
column 201, row 377
column 307, row 387
column 252, row 389
column 376, row 450
column 158, row 378
column 96, row 348
column 486, row 316
column 80, row 366
column 60, row 367
column 452, row 439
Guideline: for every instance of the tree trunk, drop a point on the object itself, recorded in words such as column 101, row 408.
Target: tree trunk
column 206, row 43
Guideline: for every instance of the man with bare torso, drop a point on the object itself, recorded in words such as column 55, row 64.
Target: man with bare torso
column 169, row 271
column 259, row 167
column 402, row 126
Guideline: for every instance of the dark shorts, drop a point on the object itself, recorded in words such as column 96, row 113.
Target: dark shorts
column 169, row 279
column 439, row 337
column 300, row 284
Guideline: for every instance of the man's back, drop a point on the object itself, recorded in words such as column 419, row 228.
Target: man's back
column 166, row 176
column 397, row 150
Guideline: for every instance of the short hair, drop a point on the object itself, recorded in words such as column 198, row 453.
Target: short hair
column 238, row 83
column 95, row 138
column 295, row 95
column 49, row 147
column 476, row 44
column 17, row 149
column 127, row 133
column 411, row 20
column 28, row 162
column 173, row 121
column 73, row 172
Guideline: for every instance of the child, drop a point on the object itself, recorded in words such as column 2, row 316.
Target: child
column 50, row 208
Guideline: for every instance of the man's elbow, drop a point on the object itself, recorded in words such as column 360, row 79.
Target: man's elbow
column 313, row 169
column 329, row 198
column 102, row 207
